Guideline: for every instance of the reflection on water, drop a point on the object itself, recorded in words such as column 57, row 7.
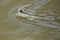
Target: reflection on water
column 19, row 28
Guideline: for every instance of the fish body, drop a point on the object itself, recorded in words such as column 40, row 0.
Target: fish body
column 31, row 17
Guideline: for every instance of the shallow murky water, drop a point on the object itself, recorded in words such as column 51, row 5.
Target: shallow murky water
column 14, row 27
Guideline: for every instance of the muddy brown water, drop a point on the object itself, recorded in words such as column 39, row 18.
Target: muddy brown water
column 18, row 28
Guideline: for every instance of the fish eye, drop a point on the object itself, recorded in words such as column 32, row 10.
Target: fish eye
column 21, row 11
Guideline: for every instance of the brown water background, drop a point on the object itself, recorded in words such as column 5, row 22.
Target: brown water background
column 11, row 29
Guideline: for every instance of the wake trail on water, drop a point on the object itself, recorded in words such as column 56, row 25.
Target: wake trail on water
column 29, row 25
column 36, row 6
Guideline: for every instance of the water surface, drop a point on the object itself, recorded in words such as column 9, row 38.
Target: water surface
column 18, row 28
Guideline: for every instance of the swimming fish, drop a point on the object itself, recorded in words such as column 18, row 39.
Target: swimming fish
column 28, row 15
column 21, row 13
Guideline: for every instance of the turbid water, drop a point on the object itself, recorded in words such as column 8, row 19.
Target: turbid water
column 14, row 27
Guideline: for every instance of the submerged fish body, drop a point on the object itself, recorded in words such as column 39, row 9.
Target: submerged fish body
column 38, row 22
column 31, row 17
